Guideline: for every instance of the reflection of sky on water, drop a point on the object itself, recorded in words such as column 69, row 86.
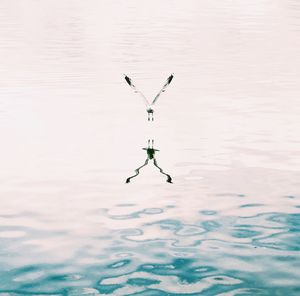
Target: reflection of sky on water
column 227, row 128
column 153, row 250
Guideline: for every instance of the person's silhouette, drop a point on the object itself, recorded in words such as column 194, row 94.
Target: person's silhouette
column 150, row 155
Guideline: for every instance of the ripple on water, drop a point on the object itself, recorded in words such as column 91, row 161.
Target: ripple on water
column 178, row 245
column 284, row 236
column 82, row 291
column 137, row 214
column 119, row 264
column 230, row 194
column 140, row 281
column 245, row 233
column 124, row 255
column 251, row 205
column 184, row 274
column 292, row 221
column 246, row 292
column 174, row 231
column 12, row 234
column 208, row 212
column 211, row 225
column 290, row 196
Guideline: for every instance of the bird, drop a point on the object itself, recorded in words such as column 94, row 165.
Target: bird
column 149, row 106
column 150, row 150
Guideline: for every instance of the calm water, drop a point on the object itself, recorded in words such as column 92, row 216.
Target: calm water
column 72, row 132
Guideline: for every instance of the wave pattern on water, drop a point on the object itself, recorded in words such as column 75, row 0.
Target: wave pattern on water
column 216, row 254
column 227, row 129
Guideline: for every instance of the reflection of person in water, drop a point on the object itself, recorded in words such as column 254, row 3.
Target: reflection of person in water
column 150, row 155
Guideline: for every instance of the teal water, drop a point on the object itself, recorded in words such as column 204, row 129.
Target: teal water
column 226, row 132
column 214, row 253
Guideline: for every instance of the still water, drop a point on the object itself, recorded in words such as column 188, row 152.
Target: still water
column 72, row 132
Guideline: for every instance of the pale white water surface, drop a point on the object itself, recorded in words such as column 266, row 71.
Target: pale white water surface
column 72, row 131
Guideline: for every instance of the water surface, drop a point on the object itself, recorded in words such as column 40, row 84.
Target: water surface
column 72, row 132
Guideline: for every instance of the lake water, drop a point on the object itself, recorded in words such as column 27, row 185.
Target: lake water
column 72, row 131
